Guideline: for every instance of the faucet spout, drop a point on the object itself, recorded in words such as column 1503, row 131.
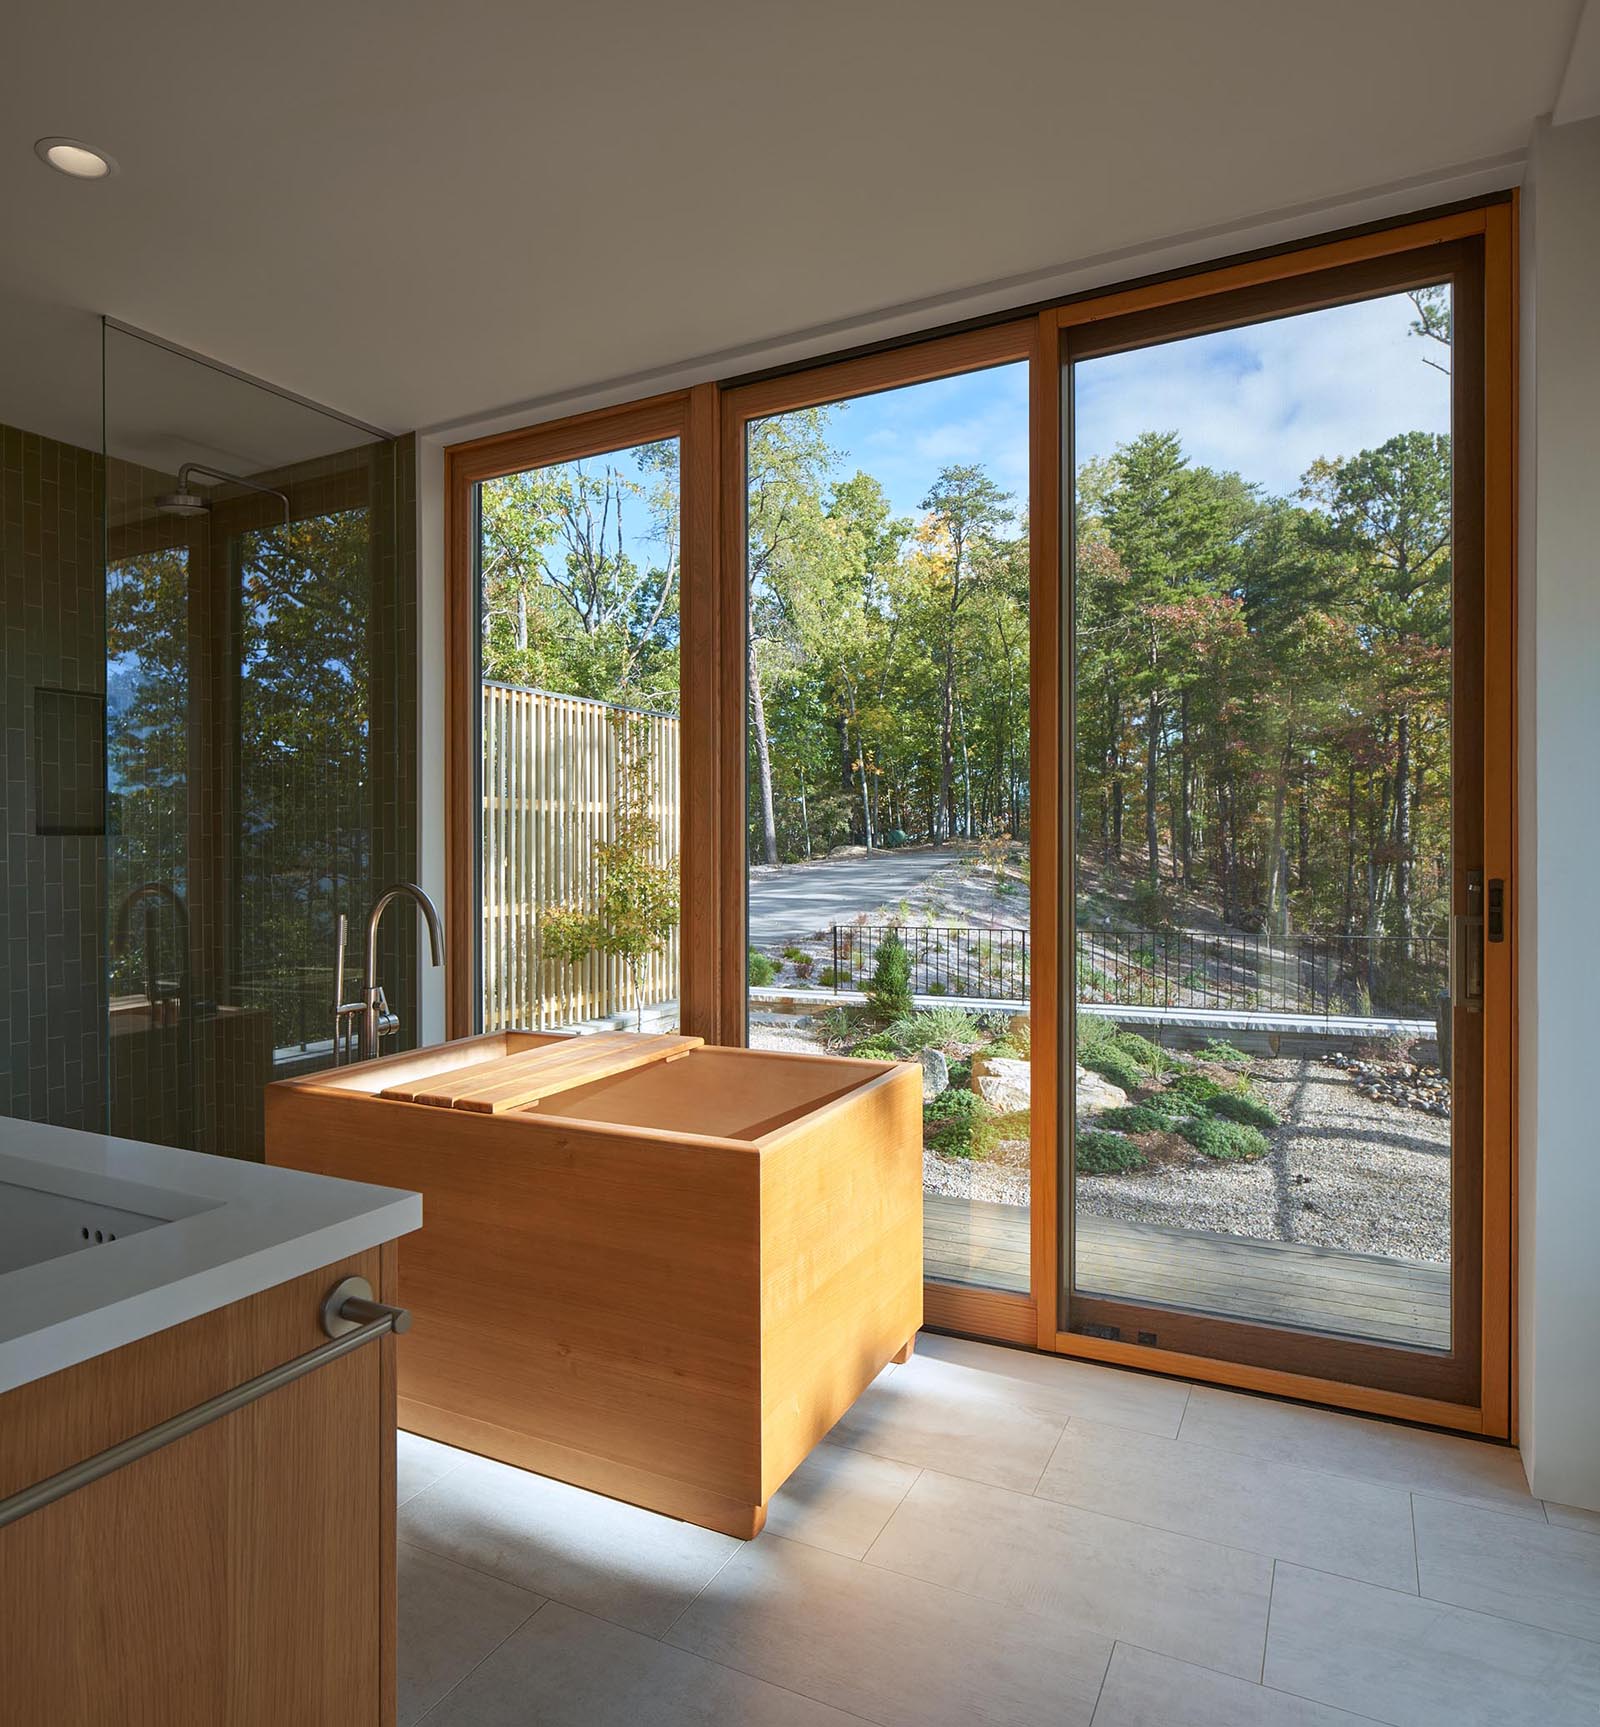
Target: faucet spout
column 374, row 1006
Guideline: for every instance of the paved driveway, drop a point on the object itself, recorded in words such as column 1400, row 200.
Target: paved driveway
column 796, row 900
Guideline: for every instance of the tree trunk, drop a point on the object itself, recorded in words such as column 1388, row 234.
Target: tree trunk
column 1350, row 852
column 946, row 740
column 1276, row 861
column 1152, row 759
column 1402, row 831
column 758, row 720
column 1185, row 797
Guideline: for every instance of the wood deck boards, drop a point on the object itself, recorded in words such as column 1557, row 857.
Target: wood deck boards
column 1286, row 1283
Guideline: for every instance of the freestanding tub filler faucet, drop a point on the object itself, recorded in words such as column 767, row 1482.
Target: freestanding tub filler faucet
column 372, row 1014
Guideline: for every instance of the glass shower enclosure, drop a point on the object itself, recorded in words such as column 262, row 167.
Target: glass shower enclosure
column 259, row 735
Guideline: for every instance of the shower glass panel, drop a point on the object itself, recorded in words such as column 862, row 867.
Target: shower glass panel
column 260, row 735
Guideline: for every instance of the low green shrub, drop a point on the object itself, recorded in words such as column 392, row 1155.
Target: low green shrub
column 961, row 1074
column 1140, row 1050
column 795, row 954
column 934, row 1028
column 1098, row 1153
column 803, row 965
column 762, row 969
column 1220, row 1050
column 1194, row 1087
column 829, row 978
column 871, row 1051
column 1112, row 1064
column 839, row 1025
column 1135, row 1118
column 1245, row 1107
column 1171, row 1104
column 937, row 988
column 1225, row 1141
column 1095, row 1032
column 958, row 1123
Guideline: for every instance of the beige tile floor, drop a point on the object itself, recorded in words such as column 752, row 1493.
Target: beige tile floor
column 997, row 1539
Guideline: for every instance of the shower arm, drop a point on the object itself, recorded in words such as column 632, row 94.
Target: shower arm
column 189, row 468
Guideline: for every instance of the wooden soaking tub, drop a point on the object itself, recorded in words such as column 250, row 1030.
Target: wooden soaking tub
column 652, row 1268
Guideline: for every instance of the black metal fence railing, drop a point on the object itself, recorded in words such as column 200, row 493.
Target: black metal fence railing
column 1365, row 976
column 991, row 963
column 1315, row 974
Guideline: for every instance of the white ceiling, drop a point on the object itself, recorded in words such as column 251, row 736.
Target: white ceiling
column 422, row 211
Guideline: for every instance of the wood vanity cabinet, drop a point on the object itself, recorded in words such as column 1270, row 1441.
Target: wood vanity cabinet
column 242, row 1576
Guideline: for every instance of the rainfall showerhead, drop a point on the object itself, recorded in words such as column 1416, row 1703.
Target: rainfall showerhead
column 183, row 503
column 187, row 502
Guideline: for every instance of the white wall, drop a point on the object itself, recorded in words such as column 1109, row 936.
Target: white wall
column 1560, row 821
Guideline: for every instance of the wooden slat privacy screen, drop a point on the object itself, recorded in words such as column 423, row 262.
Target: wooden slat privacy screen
column 549, row 780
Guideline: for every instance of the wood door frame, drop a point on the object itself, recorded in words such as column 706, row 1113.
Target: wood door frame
column 1493, row 228
column 690, row 416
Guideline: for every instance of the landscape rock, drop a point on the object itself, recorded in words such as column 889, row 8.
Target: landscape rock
column 1095, row 1093
column 935, row 1073
column 1003, row 1082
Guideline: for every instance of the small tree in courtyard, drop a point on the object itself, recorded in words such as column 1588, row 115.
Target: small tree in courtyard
column 890, row 993
column 637, row 908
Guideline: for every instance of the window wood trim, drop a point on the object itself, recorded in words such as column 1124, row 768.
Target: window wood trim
column 689, row 416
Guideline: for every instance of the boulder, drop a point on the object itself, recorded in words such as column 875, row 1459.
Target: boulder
column 935, row 1073
column 1002, row 1082
column 1096, row 1093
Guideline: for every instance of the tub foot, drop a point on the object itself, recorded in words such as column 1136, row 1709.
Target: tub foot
column 905, row 1353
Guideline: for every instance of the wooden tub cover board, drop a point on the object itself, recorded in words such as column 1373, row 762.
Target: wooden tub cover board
column 515, row 1081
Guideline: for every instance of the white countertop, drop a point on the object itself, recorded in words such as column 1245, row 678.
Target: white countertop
column 237, row 1228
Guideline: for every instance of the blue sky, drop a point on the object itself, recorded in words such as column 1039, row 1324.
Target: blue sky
column 1266, row 400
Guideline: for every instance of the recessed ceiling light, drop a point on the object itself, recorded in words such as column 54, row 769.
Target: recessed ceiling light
column 70, row 156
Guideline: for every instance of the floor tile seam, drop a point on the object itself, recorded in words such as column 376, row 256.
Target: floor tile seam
column 1513, row 1618
column 422, row 1719
column 1275, row 1690
column 921, row 1468
column 1461, row 1497
column 467, row 1565
column 762, row 1679
column 1580, row 1529
column 1444, row 1606
column 1016, row 1609
column 1141, row 1523
column 428, row 1486
column 1556, row 1529
column 1416, row 1550
column 1282, row 1463
column 727, row 1560
column 952, row 1590
column 1105, row 1675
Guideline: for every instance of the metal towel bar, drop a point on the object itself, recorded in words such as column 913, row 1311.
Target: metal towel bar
column 350, row 1317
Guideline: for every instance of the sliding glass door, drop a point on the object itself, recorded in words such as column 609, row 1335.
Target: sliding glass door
column 887, row 725
column 1276, row 825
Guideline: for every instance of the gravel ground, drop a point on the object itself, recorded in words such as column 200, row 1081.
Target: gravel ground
column 1344, row 1171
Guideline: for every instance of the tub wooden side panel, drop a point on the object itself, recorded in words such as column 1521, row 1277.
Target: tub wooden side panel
column 593, row 1293
column 841, row 1254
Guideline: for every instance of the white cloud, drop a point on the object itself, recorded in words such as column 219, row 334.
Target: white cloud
column 1269, row 399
